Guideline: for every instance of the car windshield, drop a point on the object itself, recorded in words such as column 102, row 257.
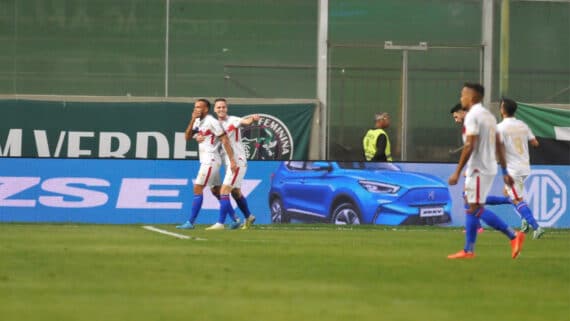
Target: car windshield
column 368, row 165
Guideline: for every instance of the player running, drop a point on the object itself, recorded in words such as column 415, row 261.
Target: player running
column 478, row 154
column 207, row 126
column 515, row 134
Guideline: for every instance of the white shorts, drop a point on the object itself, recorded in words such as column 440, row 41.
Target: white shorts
column 477, row 188
column 234, row 179
column 208, row 175
column 516, row 191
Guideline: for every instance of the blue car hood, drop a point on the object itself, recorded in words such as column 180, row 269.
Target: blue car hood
column 404, row 179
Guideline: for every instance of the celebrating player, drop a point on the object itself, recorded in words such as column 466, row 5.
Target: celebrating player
column 233, row 180
column 515, row 134
column 209, row 173
column 478, row 154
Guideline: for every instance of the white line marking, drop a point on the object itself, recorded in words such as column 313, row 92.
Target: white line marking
column 176, row 235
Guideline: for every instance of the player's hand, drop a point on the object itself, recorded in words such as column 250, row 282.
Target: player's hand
column 196, row 113
column 200, row 138
column 508, row 180
column 453, row 179
column 255, row 117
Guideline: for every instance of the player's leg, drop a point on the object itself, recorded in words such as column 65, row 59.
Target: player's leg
column 225, row 208
column 242, row 204
column 480, row 228
column 471, row 225
column 216, row 192
column 234, row 180
column 483, row 186
column 516, row 194
column 202, row 179
column 216, row 181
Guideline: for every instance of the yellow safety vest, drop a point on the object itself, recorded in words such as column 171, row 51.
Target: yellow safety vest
column 369, row 144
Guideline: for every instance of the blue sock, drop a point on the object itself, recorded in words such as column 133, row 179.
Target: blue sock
column 242, row 204
column 466, row 207
column 497, row 200
column 232, row 214
column 471, row 226
column 225, row 208
column 525, row 212
column 495, row 222
column 196, row 206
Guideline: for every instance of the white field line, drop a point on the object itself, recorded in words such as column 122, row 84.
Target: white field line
column 176, row 235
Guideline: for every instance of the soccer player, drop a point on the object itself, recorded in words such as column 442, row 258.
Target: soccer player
column 515, row 134
column 515, row 158
column 478, row 155
column 209, row 173
column 233, row 180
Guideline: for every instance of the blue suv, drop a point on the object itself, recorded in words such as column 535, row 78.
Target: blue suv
column 356, row 193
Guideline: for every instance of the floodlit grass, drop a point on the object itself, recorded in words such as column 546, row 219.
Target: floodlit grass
column 294, row 272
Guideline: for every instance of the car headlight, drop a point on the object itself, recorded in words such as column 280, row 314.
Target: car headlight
column 377, row 187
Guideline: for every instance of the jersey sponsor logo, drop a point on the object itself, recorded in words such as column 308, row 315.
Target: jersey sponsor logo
column 268, row 139
column 546, row 196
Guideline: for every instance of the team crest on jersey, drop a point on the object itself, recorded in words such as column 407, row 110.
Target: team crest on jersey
column 268, row 139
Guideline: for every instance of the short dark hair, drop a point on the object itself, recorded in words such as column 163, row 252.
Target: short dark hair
column 205, row 101
column 478, row 88
column 509, row 106
column 220, row 99
column 456, row 108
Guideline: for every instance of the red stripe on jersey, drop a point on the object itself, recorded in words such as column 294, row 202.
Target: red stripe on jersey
column 236, row 130
column 515, row 192
column 235, row 176
column 205, row 133
column 208, row 176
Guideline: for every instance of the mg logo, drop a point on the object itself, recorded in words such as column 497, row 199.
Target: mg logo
column 546, row 196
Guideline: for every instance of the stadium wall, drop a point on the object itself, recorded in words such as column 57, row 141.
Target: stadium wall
column 68, row 127
column 107, row 191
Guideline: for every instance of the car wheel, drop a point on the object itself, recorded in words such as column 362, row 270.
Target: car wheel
column 345, row 214
column 278, row 214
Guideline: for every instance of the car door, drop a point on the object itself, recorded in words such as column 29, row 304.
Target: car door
column 291, row 184
column 314, row 191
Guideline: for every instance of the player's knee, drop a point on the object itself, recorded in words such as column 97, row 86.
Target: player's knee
column 236, row 193
column 198, row 189
column 473, row 208
column 215, row 191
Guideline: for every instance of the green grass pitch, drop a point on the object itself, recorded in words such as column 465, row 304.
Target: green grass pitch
column 293, row 272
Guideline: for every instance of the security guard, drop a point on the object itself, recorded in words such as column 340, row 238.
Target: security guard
column 376, row 143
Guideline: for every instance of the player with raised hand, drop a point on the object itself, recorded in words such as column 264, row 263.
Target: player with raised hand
column 207, row 126
column 482, row 145
column 233, row 180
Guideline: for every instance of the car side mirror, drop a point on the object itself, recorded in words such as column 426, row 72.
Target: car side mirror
column 322, row 166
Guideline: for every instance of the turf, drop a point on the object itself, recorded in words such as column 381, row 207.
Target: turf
column 295, row 272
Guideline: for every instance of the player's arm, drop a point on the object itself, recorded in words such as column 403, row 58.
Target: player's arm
column 470, row 142
column 228, row 148
column 189, row 132
column 249, row 120
column 531, row 138
column 500, row 148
